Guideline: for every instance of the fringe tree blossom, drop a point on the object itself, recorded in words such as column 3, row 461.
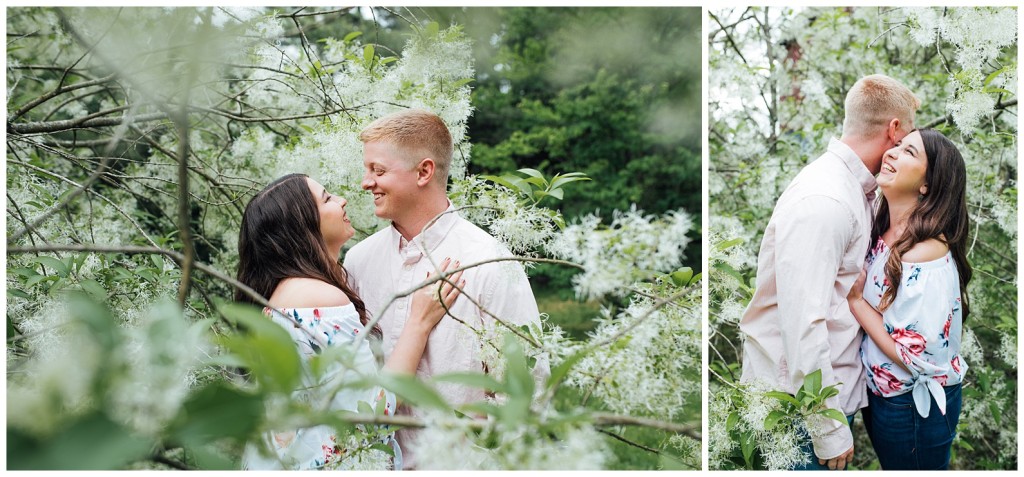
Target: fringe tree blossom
column 650, row 369
column 580, row 447
column 614, row 256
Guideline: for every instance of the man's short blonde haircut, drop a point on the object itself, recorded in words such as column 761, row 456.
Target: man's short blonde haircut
column 415, row 134
column 875, row 100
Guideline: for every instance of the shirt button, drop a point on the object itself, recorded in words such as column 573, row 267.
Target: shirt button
column 407, row 267
column 401, row 304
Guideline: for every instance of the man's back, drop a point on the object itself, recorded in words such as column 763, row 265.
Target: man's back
column 811, row 253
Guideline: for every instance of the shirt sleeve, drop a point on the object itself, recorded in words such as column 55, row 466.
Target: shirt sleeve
column 811, row 236
column 508, row 296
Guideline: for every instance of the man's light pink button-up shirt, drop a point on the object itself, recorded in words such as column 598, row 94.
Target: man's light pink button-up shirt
column 798, row 320
column 384, row 264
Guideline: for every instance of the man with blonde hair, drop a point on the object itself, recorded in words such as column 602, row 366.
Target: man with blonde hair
column 813, row 249
column 407, row 156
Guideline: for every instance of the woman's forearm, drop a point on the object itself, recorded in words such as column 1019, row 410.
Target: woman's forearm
column 408, row 351
column 871, row 321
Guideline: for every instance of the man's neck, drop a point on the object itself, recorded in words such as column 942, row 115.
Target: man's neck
column 413, row 223
column 869, row 151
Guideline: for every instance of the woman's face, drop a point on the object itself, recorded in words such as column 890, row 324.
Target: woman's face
column 334, row 224
column 903, row 168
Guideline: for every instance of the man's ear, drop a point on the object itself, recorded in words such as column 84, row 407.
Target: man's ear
column 425, row 171
column 893, row 130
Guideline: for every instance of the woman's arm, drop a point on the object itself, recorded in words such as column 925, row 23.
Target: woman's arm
column 871, row 321
column 426, row 312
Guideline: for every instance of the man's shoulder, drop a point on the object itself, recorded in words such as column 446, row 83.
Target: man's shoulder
column 827, row 176
column 473, row 239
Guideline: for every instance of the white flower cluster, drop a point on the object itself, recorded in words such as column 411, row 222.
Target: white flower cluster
column 150, row 373
column 649, row 359
column 158, row 370
column 633, row 247
column 977, row 35
column 522, row 228
column 780, row 447
column 731, row 248
column 579, row 448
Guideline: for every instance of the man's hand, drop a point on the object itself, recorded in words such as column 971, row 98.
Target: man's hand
column 839, row 463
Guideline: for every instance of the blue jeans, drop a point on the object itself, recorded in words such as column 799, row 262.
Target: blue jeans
column 808, row 449
column 903, row 440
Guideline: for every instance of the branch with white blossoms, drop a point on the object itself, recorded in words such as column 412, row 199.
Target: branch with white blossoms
column 614, row 256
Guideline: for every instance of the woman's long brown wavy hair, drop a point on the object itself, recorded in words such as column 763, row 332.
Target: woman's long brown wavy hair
column 280, row 238
column 940, row 214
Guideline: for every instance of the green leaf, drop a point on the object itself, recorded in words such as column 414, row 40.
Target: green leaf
column 731, row 421
column 747, row 446
column 835, row 414
column 729, row 244
column 57, row 265
column 500, row 180
column 364, row 408
column 812, row 383
column 265, row 348
column 351, row 36
column 384, row 448
column 537, row 181
column 517, row 372
column 93, row 442
column 773, row 419
column 561, row 180
column 412, row 390
column 482, row 407
column 476, row 380
column 217, row 412
column 368, row 55
column 94, row 288
column 556, row 193
column 785, row 397
column 17, row 293
column 462, row 82
column 682, row 276
column 431, row 29
column 996, row 413
column 562, row 370
column 533, row 173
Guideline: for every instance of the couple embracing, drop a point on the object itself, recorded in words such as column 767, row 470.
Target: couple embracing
column 291, row 238
column 872, row 292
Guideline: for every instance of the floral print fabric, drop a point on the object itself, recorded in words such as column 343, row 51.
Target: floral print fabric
column 926, row 322
column 320, row 447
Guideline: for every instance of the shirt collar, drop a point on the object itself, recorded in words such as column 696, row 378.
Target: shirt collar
column 855, row 165
column 428, row 239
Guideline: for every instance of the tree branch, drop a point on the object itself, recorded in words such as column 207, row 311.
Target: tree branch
column 949, row 117
column 134, row 250
column 80, row 123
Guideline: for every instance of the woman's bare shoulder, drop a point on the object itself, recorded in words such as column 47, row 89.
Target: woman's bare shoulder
column 307, row 293
column 926, row 251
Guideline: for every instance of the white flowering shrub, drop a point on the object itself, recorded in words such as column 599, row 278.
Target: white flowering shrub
column 135, row 138
column 778, row 79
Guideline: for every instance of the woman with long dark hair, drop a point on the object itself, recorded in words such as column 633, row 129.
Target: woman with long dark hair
column 290, row 240
column 912, row 301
